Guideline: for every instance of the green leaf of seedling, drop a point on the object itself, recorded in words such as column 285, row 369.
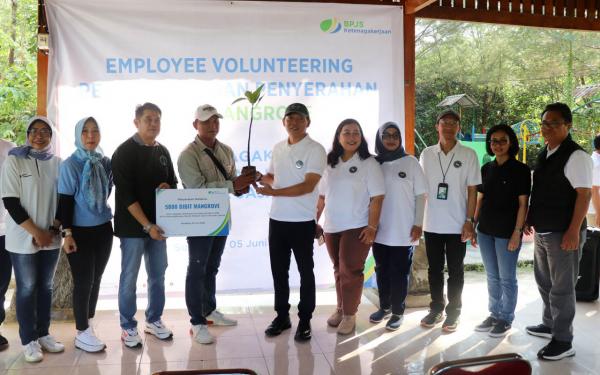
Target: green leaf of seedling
column 255, row 95
column 238, row 100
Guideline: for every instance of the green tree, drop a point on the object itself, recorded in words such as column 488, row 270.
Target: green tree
column 18, row 69
column 512, row 72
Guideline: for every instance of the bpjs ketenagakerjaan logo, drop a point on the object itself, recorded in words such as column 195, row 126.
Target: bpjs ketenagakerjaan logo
column 333, row 26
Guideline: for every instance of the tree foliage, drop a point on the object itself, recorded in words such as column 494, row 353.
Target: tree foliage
column 18, row 70
column 512, row 72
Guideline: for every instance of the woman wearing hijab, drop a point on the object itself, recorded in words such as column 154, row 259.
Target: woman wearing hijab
column 84, row 185
column 400, row 225
column 29, row 177
column 350, row 196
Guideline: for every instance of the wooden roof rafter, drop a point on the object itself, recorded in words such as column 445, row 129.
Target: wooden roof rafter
column 559, row 14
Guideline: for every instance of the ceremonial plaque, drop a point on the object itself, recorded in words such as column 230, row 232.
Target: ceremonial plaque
column 193, row 212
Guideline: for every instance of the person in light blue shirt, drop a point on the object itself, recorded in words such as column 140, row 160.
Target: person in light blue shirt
column 84, row 184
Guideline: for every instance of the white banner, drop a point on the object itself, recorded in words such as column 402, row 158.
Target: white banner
column 340, row 60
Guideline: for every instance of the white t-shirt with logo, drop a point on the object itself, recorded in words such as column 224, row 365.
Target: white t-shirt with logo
column 348, row 189
column 462, row 165
column 34, row 182
column 5, row 146
column 289, row 165
column 404, row 180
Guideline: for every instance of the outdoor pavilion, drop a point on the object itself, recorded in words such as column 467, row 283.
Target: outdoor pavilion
column 583, row 15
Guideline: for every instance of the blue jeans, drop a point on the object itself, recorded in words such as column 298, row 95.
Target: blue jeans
column 5, row 275
column 34, row 274
column 200, row 282
column 501, row 268
column 155, row 260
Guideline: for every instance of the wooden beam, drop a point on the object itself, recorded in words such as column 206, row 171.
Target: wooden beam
column 515, row 6
column 591, row 10
column 560, row 8
column 409, row 83
column 367, row 2
column 413, row 6
column 549, row 8
column 533, row 20
column 526, row 6
column 42, row 83
column 42, row 64
column 580, row 8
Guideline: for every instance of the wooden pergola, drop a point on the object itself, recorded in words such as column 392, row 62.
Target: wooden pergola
column 556, row 14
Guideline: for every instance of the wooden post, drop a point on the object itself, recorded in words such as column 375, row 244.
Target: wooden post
column 409, row 82
column 42, row 83
column 42, row 64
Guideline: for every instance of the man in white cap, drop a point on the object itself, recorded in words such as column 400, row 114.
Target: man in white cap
column 207, row 163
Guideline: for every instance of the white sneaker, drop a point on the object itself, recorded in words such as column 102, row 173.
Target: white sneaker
column 33, row 352
column 218, row 319
column 200, row 333
column 158, row 329
column 88, row 342
column 49, row 344
column 131, row 338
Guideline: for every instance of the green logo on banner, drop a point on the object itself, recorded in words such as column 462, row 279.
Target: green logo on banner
column 331, row 25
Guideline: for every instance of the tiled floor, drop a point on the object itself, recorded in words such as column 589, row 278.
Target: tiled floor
column 373, row 350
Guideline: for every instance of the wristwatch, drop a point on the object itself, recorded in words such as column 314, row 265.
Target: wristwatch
column 146, row 228
column 470, row 220
column 66, row 233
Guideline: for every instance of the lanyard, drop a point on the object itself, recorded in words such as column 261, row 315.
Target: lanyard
column 448, row 167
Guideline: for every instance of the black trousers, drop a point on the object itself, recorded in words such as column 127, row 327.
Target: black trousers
column 87, row 266
column 392, row 269
column 5, row 275
column 285, row 238
column 448, row 248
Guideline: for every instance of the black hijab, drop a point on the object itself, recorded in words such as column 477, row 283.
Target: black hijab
column 384, row 154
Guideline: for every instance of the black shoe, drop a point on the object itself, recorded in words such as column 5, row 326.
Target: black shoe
column 303, row 332
column 500, row 329
column 540, row 330
column 486, row 325
column 431, row 319
column 395, row 322
column 3, row 343
column 278, row 325
column 379, row 315
column 450, row 324
column 556, row 350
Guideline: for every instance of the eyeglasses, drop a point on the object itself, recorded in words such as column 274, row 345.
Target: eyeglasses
column 42, row 131
column 448, row 122
column 551, row 124
column 392, row 137
column 500, row 142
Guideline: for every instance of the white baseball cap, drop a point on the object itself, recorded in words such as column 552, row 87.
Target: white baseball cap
column 206, row 111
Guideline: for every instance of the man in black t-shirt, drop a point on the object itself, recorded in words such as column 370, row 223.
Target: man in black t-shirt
column 141, row 165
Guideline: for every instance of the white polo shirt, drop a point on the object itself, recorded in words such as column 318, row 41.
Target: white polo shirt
column 5, row 146
column 578, row 169
column 595, row 176
column 404, row 180
column 289, row 165
column 34, row 182
column 348, row 189
column 462, row 165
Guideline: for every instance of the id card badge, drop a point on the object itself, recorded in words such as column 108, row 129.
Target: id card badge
column 442, row 191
